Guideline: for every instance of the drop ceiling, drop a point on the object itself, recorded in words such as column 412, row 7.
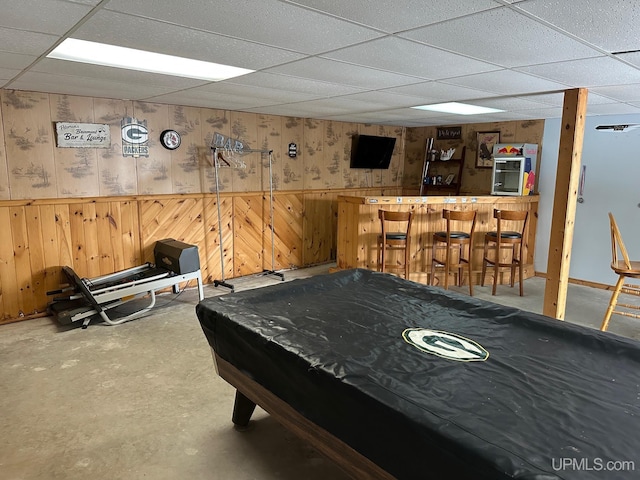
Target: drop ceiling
column 365, row 61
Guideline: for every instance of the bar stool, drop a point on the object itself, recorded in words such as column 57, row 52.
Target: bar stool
column 396, row 231
column 624, row 268
column 510, row 233
column 453, row 240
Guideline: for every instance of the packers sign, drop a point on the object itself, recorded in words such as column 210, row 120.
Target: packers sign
column 446, row 345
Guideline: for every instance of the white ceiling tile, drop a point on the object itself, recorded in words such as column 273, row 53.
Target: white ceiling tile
column 587, row 73
column 338, row 72
column 7, row 74
column 549, row 112
column 410, row 58
column 53, row 16
column 384, row 99
column 508, row 82
column 503, row 37
column 244, row 91
column 46, row 82
column 440, row 92
column 623, row 93
column 26, row 43
column 612, row 109
column 15, row 60
column 270, row 22
column 144, row 34
column 293, row 84
column 406, row 13
column 607, row 25
column 633, row 57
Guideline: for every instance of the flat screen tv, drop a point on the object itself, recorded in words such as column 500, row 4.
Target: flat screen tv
column 370, row 151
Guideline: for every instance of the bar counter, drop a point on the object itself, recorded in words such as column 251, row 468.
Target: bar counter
column 359, row 227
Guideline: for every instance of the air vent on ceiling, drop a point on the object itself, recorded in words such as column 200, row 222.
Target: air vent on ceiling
column 618, row 128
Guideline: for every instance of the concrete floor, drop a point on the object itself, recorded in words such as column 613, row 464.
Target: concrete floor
column 142, row 400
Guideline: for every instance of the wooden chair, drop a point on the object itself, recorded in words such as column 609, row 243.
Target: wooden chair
column 510, row 234
column 624, row 268
column 396, row 235
column 459, row 234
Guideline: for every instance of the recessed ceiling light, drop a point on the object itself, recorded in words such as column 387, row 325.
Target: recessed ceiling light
column 131, row 59
column 458, row 108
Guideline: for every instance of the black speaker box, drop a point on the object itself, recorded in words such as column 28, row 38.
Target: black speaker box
column 179, row 257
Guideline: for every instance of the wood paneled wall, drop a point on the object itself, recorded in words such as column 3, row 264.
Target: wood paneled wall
column 475, row 181
column 97, row 236
column 33, row 167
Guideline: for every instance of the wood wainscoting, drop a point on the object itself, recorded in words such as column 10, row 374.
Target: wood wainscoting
column 97, row 236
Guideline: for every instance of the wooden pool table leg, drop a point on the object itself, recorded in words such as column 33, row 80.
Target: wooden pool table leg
column 242, row 410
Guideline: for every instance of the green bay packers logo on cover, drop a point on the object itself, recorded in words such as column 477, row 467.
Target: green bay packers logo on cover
column 446, row 345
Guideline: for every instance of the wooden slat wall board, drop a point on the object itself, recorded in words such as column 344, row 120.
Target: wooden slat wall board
column 268, row 132
column 212, row 238
column 292, row 167
column 333, row 155
column 314, row 162
column 248, row 228
column 244, row 128
column 50, row 248
column 91, row 239
column 350, row 176
column 76, row 168
column 185, row 161
column 23, row 277
column 154, row 172
column 104, row 224
column 177, row 218
column 113, row 168
column 9, row 299
column 37, row 267
column 287, row 221
column 63, row 235
column 76, row 223
column 29, row 142
column 4, row 168
column 130, row 234
column 318, row 237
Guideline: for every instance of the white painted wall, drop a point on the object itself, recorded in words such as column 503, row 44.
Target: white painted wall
column 612, row 184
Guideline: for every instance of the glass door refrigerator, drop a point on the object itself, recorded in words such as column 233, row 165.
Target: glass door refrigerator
column 514, row 169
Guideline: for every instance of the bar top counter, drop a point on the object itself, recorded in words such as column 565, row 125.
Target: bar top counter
column 359, row 227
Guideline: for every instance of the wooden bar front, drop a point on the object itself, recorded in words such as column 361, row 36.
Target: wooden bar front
column 359, row 227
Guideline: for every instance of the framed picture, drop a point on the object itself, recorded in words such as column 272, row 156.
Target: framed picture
column 449, row 179
column 486, row 141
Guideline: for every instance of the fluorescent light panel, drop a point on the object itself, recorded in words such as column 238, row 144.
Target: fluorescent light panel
column 458, row 108
column 95, row 53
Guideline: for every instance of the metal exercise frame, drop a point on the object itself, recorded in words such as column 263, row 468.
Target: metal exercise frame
column 217, row 156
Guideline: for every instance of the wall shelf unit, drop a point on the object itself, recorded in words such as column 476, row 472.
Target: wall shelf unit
column 442, row 177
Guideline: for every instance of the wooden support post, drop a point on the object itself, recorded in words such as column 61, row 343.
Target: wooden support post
column 564, row 202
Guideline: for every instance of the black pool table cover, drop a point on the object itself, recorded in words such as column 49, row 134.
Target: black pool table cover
column 552, row 400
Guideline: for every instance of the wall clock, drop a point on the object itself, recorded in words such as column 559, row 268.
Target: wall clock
column 170, row 139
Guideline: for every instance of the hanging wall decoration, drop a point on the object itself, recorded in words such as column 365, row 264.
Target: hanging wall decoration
column 293, row 150
column 135, row 137
column 83, row 135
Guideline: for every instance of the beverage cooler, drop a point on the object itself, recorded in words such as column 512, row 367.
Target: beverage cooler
column 514, row 169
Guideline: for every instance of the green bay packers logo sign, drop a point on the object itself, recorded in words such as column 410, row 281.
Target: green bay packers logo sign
column 446, row 345
column 135, row 137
